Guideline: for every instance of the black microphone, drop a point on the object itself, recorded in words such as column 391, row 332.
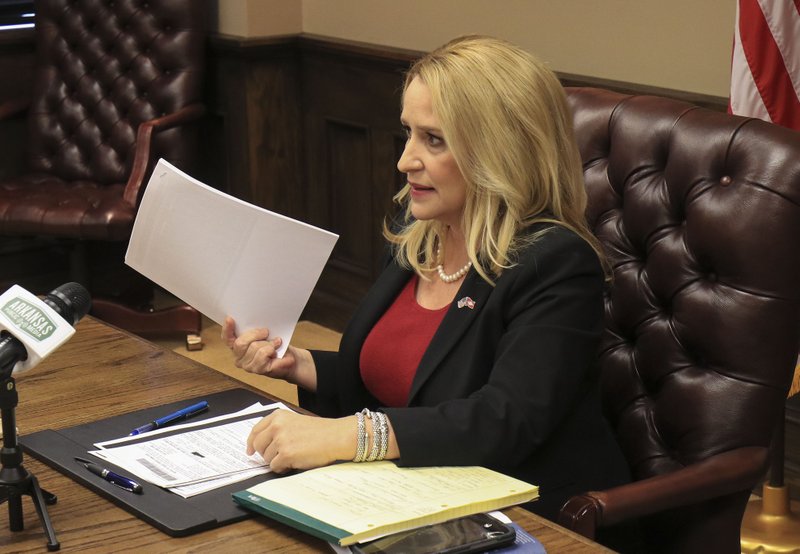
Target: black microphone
column 71, row 301
column 37, row 332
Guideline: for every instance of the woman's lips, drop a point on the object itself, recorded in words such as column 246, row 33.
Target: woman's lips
column 419, row 190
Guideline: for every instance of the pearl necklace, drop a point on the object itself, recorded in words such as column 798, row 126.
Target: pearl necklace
column 453, row 276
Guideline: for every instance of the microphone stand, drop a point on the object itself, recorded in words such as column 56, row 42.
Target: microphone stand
column 15, row 480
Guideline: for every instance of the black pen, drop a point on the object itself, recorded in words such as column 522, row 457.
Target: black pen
column 115, row 478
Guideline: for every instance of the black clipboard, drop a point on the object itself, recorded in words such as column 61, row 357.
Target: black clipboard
column 172, row 514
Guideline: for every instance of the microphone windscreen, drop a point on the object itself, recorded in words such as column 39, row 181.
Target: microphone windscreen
column 71, row 300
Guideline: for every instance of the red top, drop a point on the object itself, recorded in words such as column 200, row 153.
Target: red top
column 394, row 347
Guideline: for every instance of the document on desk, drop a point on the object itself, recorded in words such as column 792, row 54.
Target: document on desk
column 350, row 502
column 194, row 457
column 224, row 256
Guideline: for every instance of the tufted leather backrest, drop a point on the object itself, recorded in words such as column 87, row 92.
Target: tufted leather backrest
column 699, row 215
column 104, row 67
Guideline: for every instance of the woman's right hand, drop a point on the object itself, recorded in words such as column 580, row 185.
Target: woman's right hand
column 256, row 352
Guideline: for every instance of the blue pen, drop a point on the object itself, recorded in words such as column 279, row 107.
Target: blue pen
column 115, row 478
column 194, row 409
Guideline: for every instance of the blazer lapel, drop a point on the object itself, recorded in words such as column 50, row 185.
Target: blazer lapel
column 472, row 297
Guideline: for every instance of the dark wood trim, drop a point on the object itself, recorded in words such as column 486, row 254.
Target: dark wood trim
column 229, row 46
column 257, row 47
column 366, row 52
column 222, row 45
column 717, row 103
column 393, row 56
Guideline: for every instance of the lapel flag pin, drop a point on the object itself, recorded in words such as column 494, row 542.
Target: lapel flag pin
column 466, row 301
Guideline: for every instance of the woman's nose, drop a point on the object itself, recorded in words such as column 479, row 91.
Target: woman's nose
column 408, row 161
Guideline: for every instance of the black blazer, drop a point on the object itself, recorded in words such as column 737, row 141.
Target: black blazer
column 506, row 384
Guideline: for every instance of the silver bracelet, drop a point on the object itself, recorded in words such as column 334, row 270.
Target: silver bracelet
column 375, row 446
column 384, row 433
column 361, row 441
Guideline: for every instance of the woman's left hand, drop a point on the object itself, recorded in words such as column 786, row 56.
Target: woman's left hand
column 288, row 440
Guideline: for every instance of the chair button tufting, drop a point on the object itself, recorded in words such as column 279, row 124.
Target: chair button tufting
column 725, row 181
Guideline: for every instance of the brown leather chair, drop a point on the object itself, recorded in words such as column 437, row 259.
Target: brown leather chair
column 115, row 83
column 699, row 214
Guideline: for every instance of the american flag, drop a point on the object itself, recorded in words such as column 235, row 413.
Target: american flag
column 765, row 70
column 466, row 301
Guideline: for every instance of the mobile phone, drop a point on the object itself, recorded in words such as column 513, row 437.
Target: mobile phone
column 475, row 533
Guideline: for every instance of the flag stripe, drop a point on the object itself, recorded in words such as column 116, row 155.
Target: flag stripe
column 765, row 63
column 745, row 98
column 784, row 24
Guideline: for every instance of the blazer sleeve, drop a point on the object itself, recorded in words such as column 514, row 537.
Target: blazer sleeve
column 323, row 402
column 540, row 338
column 340, row 391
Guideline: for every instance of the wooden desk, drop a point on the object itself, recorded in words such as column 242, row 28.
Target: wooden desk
column 102, row 372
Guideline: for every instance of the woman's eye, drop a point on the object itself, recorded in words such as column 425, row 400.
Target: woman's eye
column 433, row 140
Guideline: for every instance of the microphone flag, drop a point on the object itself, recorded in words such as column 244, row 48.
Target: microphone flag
column 35, row 324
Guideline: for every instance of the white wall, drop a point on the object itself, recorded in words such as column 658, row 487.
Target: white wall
column 677, row 44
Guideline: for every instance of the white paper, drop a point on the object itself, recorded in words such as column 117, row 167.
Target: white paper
column 224, row 256
column 190, row 457
column 194, row 489
column 198, row 458
column 257, row 408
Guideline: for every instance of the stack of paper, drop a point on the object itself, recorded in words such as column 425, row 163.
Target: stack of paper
column 349, row 503
column 192, row 458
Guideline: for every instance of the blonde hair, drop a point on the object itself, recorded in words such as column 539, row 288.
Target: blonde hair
column 505, row 118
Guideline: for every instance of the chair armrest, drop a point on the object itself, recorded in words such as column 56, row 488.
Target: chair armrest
column 144, row 138
column 718, row 475
column 13, row 106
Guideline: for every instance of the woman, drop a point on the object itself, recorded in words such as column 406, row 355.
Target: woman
column 477, row 339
